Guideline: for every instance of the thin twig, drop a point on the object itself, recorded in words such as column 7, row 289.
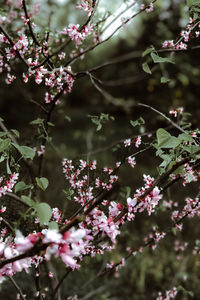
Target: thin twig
column 17, row 198
column 60, row 283
column 17, row 287
column 163, row 115
column 29, row 24
column 7, row 225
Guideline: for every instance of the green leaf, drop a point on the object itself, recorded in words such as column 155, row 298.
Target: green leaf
column 68, row 118
column 166, row 160
column 193, row 3
column 3, row 134
column 53, row 225
column 28, row 200
column 147, row 51
column 179, row 170
column 15, row 132
column 184, row 79
column 180, row 288
column 190, row 178
column 164, row 79
column 174, row 230
column 44, row 212
column 4, row 144
column 49, row 139
column 25, row 151
column 51, row 124
column 138, row 122
column 37, row 122
column 20, row 186
column 42, row 182
column 165, row 140
column 159, row 59
column 99, row 127
column 146, row 68
column 2, row 158
column 186, row 137
column 68, row 193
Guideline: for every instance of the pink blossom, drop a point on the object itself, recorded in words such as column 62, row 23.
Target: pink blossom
column 10, row 78
column 51, row 236
column 85, row 5
column 127, row 142
column 76, row 35
column 149, row 8
column 8, row 186
column 168, row 44
column 138, row 141
column 131, row 161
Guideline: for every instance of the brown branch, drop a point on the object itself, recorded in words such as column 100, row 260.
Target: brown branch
column 29, row 24
column 37, row 284
column 164, row 116
column 17, row 287
column 17, row 199
column 54, row 280
column 7, row 225
column 94, row 6
column 60, row 283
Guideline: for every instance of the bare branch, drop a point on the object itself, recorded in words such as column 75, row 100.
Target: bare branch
column 29, row 24
column 17, row 287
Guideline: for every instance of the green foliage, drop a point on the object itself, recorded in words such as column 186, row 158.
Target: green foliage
column 21, row 186
column 147, row 51
column 42, row 183
column 166, row 140
column 158, row 59
column 69, row 194
column 164, row 79
column 28, row 200
column 181, row 289
column 138, row 122
column 25, row 151
column 43, row 212
column 146, row 68
column 100, row 120
column 4, row 144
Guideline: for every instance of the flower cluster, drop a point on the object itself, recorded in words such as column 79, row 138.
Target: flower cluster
column 170, row 294
column 86, row 6
column 138, row 141
column 67, row 246
column 127, row 143
column 9, row 184
column 77, row 35
column 148, row 202
column 40, row 151
column 185, row 36
column 131, row 161
column 175, row 112
column 148, row 8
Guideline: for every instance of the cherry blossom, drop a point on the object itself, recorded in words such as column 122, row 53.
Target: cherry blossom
column 9, row 184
